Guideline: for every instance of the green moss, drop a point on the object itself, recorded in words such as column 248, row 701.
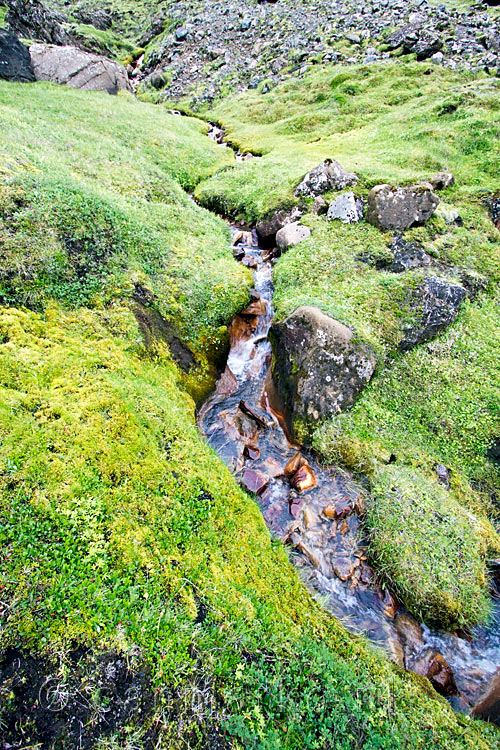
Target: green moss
column 429, row 547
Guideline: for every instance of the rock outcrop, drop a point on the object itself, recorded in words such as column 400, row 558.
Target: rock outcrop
column 319, row 367
column 15, row 61
column 290, row 235
column 407, row 255
column 71, row 66
column 329, row 175
column 435, row 304
column 32, row 20
column 398, row 208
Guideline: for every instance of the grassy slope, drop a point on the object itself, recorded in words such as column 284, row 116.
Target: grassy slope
column 119, row 525
column 391, row 124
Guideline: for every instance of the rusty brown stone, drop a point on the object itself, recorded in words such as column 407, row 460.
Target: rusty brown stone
column 255, row 481
column 303, row 479
column 295, row 505
column 258, row 307
column 251, row 452
column 294, row 464
column 435, row 667
column 338, row 510
column 249, row 262
column 360, row 504
column 342, row 567
column 409, row 631
column 259, row 417
column 344, row 528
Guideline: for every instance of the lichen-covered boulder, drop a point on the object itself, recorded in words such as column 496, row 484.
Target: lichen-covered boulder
column 319, row 367
column 329, row 175
column 435, row 304
column 398, row 208
column 347, row 208
column 290, row 235
column 15, row 62
column 71, row 66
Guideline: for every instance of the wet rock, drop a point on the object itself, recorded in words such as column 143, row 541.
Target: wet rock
column 488, row 706
column 260, row 417
column 342, row 567
column 291, row 235
column 268, row 228
column 303, row 479
column 340, row 509
column 273, row 467
column 239, row 252
column 251, row 452
column 442, row 180
column 329, row 175
column 368, row 576
column 310, row 518
column 436, row 303
column 15, row 60
column 227, row 383
column 397, row 208
column 435, row 667
column 347, row 208
column 360, row 504
column 407, row 255
column 396, row 653
column 254, row 481
column 443, row 475
column 294, row 464
column 319, row 368
column 249, row 262
column 295, row 505
column 410, row 633
column 319, row 206
column 255, row 308
column 73, row 67
column 389, row 602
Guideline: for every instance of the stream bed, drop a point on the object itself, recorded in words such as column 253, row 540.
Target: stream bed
column 317, row 510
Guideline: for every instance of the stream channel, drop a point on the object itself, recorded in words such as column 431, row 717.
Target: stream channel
column 318, row 510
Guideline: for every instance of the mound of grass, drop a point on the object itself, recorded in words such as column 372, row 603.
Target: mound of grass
column 121, row 532
column 94, row 208
column 429, row 547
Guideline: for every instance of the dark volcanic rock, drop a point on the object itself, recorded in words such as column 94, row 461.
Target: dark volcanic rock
column 435, row 667
column 319, row 368
column 493, row 204
column 32, row 20
column 399, row 208
column 15, row 60
column 329, row 175
column 267, row 229
column 436, row 303
column 407, row 255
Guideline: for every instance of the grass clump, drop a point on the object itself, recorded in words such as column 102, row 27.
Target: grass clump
column 429, row 547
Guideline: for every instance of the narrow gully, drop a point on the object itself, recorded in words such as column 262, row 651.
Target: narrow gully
column 318, row 510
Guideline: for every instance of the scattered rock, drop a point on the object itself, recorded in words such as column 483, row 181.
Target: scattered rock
column 448, row 214
column 255, row 481
column 319, row 368
column 319, row 206
column 15, row 60
column 303, row 479
column 342, row 567
column 348, row 208
column 338, row 510
column 71, row 66
column 329, row 175
column 410, row 633
column 294, row 464
column 488, row 706
column 442, row 180
column 268, row 228
column 407, row 255
column 30, row 19
column 290, row 235
column 435, row 667
column 251, row 452
column 436, row 303
column 249, row 262
column 443, row 475
column 398, row 208
column 181, row 33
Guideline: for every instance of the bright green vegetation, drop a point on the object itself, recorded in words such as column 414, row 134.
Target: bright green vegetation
column 130, row 17
column 430, row 546
column 464, row 5
column 119, row 526
column 94, row 209
column 438, row 403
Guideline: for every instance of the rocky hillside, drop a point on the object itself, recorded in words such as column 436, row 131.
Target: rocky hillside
column 143, row 601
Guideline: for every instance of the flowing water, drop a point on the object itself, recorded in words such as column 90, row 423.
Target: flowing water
column 317, row 510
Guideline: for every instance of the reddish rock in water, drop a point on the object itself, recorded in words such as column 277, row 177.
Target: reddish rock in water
column 273, row 467
column 360, row 505
column 435, row 667
column 255, row 481
column 251, row 452
column 295, row 505
column 242, row 329
column 257, row 416
column 249, row 262
column 338, row 510
column 294, row 464
column 391, row 604
column 410, row 633
column 303, row 479
column 342, row 567
column 488, row 707
column 258, row 307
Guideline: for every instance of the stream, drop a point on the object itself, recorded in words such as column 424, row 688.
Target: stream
column 317, row 510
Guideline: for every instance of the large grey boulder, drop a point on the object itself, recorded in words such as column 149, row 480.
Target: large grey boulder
column 319, row 367
column 15, row 61
column 290, row 235
column 347, row 208
column 399, row 208
column 71, row 66
column 435, row 304
column 329, row 175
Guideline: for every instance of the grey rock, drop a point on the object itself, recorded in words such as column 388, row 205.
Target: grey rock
column 398, row 208
column 15, row 61
column 319, row 367
column 443, row 475
column 268, row 228
column 291, row 235
column 319, row 206
column 435, row 303
column 73, row 67
column 329, row 175
column 407, row 255
column 348, row 208
column 442, row 180
column 181, row 33
column 30, row 19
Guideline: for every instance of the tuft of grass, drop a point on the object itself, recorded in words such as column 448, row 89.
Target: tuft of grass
column 431, row 549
